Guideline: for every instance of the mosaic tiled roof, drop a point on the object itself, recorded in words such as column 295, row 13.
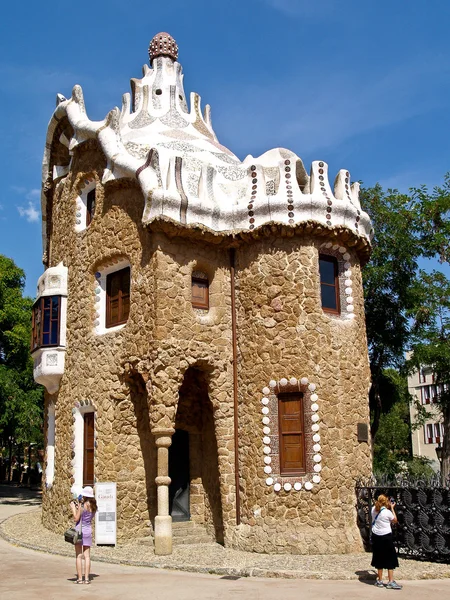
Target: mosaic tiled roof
column 186, row 175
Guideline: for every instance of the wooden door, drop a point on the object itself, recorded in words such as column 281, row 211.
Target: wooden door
column 88, row 449
column 291, row 434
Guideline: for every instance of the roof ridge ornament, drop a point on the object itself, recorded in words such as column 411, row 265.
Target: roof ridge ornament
column 163, row 44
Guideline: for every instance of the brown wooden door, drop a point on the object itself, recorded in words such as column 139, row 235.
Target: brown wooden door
column 88, row 449
column 292, row 435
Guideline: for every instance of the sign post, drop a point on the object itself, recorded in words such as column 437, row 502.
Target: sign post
column 106, row 515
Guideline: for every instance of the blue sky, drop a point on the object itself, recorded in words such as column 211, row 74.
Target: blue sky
column 363, row 85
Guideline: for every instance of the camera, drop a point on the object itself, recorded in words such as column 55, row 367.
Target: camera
column 392, row 500
column 77, row 499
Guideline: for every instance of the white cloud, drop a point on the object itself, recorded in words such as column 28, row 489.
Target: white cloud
column 19, row 189
column 30, row 213
column 33, row 194
column 304, row 8
column 316, row 112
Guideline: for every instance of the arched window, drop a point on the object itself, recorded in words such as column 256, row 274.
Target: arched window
column 329, row 283
column 90, row 207
column 200, row 290
column 88, row 448
column 117, row 297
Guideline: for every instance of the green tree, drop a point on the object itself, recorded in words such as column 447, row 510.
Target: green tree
column 406, row 308
column 21, row 400
column 389, row 290
column 431, row 345
column 392, row 443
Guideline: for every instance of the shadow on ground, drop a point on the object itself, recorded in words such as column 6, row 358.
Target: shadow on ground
column 15, row 494
column 366, row 576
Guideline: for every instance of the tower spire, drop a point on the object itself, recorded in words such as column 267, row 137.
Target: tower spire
column 163, row 44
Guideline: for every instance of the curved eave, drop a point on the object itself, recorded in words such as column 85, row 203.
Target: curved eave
column 235, row 238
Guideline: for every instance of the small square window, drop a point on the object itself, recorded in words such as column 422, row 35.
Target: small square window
column 200, row 292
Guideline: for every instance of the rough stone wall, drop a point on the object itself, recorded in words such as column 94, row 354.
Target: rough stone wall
column 283, row 333
column 93, row 371
column 132, row 377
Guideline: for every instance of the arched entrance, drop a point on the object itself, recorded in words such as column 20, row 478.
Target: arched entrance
column 194, row 493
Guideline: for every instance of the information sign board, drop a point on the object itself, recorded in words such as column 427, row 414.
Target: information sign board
column 106, row 515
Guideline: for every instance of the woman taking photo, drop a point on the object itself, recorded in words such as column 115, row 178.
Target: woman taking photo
column 83, row 513
column 384, row 555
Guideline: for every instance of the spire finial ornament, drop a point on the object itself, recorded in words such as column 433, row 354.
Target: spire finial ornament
column 163, row 44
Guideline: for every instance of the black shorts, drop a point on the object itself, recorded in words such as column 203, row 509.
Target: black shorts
column 384, row 554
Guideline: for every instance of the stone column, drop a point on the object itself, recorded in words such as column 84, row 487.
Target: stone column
column 163, row 521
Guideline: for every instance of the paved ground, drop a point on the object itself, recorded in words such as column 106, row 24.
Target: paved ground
column 27, row 574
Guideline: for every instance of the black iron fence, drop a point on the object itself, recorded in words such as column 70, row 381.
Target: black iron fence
column 423, row 512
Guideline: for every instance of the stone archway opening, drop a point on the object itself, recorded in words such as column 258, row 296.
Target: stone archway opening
column 195, row 426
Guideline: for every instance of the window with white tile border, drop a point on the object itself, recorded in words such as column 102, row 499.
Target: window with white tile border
column 82, row 218
column 100, row 291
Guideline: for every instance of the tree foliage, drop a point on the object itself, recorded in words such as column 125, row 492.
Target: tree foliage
column 388, row 292
column 21, row 400
column 407, row 308
column 431, row 344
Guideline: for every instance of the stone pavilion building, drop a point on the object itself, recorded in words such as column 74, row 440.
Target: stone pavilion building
column 199, row 327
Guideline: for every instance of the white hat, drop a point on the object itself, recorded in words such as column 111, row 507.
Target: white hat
column 87, row 492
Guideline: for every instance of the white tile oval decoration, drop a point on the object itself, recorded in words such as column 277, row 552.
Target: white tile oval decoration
column 270, row 421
